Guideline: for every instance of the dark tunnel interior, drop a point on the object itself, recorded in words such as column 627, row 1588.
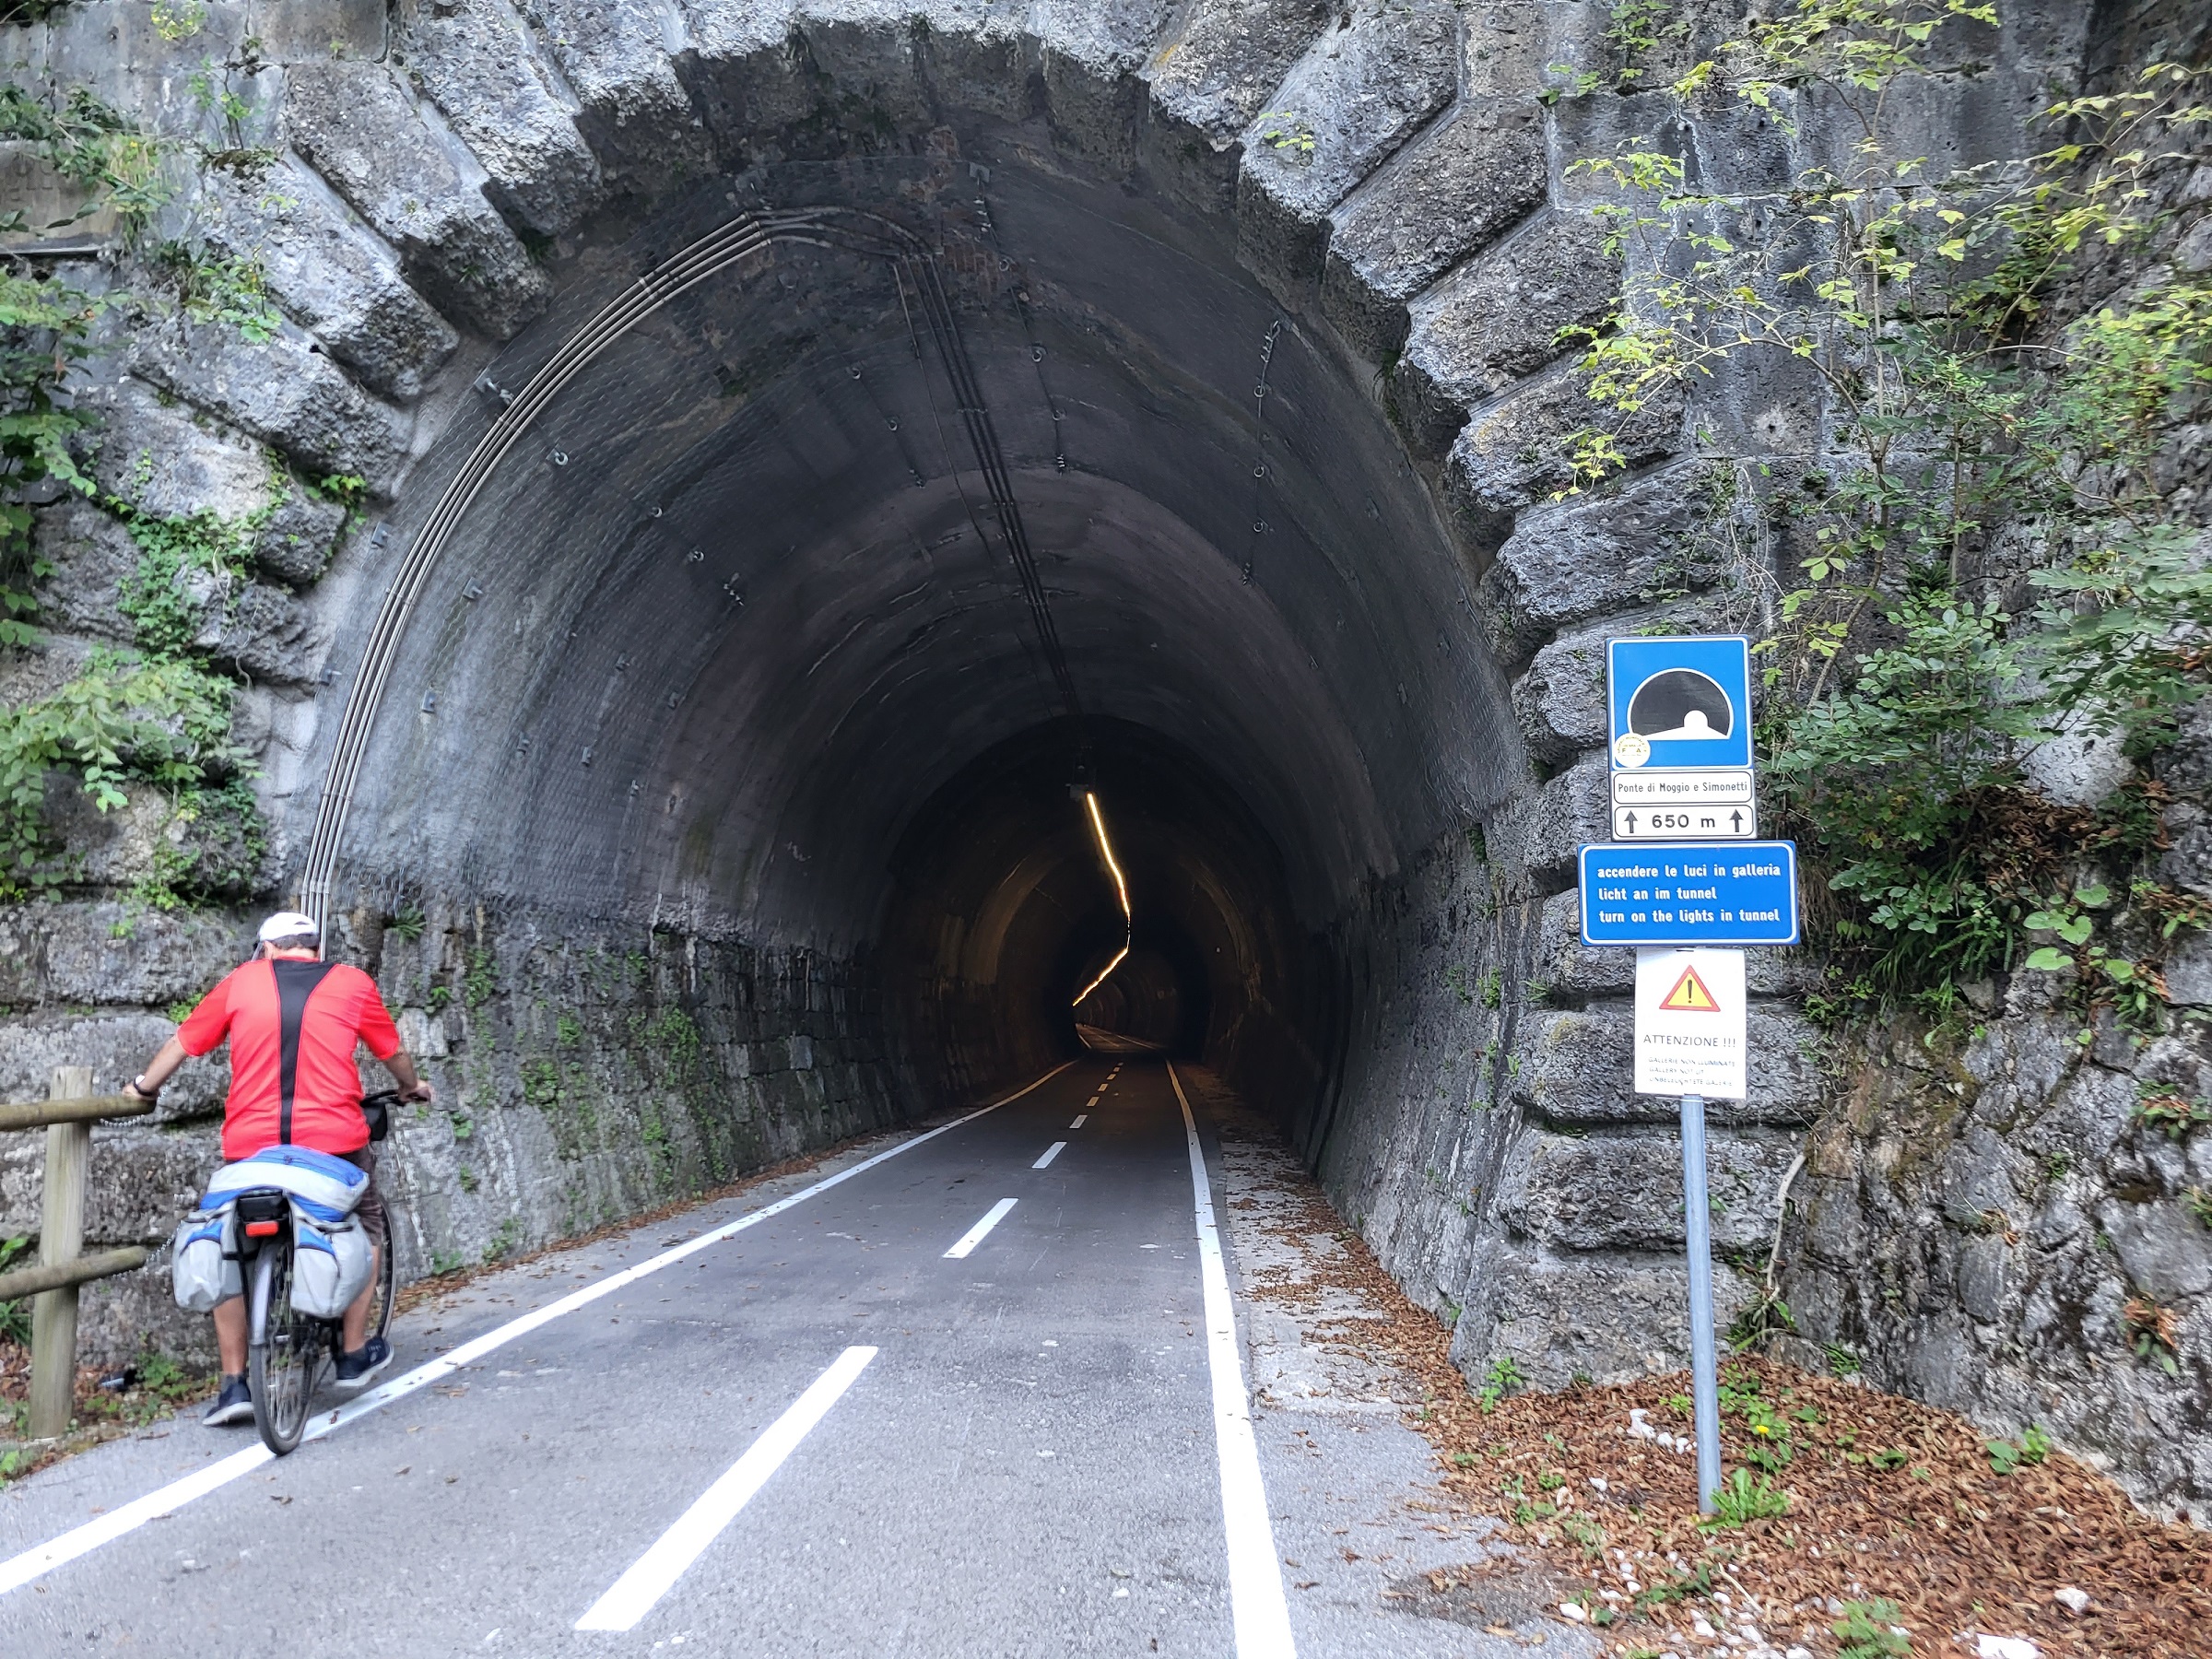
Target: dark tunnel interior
column 731, row 640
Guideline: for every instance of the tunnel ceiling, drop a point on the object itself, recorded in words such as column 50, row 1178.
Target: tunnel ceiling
column 735, row 609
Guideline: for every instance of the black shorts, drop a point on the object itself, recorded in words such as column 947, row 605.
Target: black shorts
column 370, row 1209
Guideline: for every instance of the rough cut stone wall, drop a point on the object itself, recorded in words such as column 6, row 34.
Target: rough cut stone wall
column 1481, row 1130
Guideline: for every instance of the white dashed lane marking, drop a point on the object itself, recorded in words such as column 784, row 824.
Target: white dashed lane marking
column 980, row 1230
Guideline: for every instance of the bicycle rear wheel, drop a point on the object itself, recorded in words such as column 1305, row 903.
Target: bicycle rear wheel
column 284, row 1353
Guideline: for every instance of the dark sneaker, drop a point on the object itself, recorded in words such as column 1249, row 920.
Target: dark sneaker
column 234, row 1404
column 355, row 1369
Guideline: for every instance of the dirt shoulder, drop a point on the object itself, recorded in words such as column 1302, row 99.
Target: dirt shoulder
column 1898, row 1528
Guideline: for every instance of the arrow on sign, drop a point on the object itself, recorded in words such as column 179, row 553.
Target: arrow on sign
column 1735, row 822
column 1631, row 821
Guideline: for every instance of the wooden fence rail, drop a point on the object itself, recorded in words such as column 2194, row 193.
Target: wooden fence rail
column 67, row 1115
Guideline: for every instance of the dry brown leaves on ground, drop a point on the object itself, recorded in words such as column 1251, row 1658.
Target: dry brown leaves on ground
column 1885, row 1497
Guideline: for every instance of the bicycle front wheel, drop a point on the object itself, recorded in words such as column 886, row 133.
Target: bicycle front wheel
column 285, row 1352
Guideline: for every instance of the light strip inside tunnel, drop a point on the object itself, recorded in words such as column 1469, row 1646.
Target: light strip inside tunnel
column 1121, row 886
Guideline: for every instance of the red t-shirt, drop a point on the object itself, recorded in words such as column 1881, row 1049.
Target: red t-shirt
column 341, row 1010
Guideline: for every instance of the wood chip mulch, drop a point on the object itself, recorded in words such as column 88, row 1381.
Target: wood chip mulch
column 1886, row 1498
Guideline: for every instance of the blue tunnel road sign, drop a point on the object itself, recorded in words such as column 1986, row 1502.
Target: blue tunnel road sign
column 1681, row 701
column 1685, row 893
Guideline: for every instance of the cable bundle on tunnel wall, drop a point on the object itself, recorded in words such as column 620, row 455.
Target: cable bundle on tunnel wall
column 721, row 249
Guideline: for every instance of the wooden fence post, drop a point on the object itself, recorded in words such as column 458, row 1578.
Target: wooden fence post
column 60, row 1239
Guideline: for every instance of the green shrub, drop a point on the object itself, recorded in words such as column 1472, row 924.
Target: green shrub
column 1903, row 693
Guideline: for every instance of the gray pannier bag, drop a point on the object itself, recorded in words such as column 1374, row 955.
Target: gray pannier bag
column 329, row 1263
column 202, row 1262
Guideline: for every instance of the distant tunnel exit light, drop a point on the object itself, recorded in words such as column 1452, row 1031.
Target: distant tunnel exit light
column 1120, row 887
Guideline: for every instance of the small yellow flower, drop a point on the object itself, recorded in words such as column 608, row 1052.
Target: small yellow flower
column 1761, row 1429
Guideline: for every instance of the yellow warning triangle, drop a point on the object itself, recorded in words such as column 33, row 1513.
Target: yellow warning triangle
column 1690, row 995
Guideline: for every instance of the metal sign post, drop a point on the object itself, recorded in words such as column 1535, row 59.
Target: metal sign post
column 1691, row 1031
column 1704, row 1368
column 1690, row 881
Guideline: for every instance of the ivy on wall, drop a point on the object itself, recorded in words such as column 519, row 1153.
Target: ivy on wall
column 157, row 713
column 1984, row 558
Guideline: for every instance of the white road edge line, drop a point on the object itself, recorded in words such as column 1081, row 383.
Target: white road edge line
column 42, row 1559
column 1050, row 1152
column 1079, row 1123
column 654, row 1574
column 976, row 1234
column 1261, row 1616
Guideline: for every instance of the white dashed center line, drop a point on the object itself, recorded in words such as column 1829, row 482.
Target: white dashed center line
column 1079, row 1117
column 1050, row 1152
column 980, row 1230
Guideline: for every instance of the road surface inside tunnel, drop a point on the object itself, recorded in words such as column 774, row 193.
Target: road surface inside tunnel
column 1026, row 1463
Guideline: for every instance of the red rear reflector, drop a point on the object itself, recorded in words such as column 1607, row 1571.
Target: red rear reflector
column 261, row 1229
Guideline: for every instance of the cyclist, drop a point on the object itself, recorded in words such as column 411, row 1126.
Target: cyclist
column 292, row 1021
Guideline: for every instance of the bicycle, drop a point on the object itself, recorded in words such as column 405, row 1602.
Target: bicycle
column 286, row 1349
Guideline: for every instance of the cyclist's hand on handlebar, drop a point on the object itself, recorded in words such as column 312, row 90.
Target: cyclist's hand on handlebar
column 421, row 1091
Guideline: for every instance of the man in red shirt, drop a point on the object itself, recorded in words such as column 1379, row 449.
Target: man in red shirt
column 293, row 1021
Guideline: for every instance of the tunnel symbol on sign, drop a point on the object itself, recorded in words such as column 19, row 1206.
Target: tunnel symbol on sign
column 1680, row 703
column 1690, row 995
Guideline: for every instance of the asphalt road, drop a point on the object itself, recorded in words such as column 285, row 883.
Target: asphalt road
column 862, row 1424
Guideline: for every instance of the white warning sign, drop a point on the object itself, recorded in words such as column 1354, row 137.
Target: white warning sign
column 1689, row 1023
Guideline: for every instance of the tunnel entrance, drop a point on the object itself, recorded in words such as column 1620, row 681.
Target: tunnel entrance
column 731, row 635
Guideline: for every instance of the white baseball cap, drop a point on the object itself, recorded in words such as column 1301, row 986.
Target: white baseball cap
column 288, row 924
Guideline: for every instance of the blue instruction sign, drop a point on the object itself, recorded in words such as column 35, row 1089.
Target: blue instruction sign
column 1685, row 893
column 1681, row 701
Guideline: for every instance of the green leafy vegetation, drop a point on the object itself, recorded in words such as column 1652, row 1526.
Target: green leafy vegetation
column 15, row 1316
column 1289, row 135
column 94, row 148
column 482, row 979
column 126, row 716
column 179, row 19
column 43, row 330
column 228, row 289
column 2006, row 1456
column 2153, row 1332
column 1503, row 1378
column 2174, row 1116
column 159, row 715
column 1984, row 562
column 1693, row 1586
column 1744, row 1498
column 1869, row 1629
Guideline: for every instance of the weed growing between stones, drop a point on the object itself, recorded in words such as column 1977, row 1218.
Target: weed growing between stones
column 1993, row 556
